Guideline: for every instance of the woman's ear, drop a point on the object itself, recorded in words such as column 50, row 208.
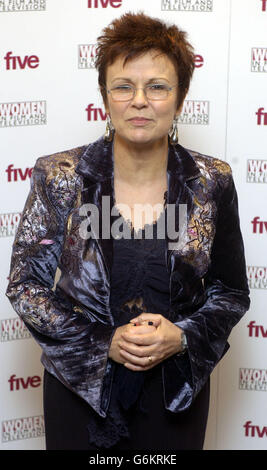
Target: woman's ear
column 106, row 108
column 104, row 98
column 179, row 110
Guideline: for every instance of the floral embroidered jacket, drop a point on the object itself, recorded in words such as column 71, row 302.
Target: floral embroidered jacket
column 72, row 321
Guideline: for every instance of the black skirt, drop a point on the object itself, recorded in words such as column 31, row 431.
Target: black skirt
column 67, row 417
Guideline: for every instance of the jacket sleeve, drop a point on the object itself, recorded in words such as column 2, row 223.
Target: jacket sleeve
column 226, row 298
column 75, row 347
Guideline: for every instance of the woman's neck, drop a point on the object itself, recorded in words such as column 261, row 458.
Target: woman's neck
column 139, row 164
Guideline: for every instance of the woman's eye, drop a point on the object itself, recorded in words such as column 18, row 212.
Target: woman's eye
column 157, row 86
column 123, row 87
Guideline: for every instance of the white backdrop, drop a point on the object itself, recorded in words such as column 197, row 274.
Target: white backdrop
column 49, row 102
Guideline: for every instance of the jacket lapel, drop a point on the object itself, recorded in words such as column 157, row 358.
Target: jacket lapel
column 96, row 167
column 181, row 170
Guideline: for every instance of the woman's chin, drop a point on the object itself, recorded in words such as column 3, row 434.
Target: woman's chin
column 138, row 138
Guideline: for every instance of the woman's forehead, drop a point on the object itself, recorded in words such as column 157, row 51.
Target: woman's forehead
column 149, row 62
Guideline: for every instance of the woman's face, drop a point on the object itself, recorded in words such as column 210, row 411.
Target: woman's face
column 142, row 121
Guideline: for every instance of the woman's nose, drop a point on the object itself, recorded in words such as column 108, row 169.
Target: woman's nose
column 139, row 98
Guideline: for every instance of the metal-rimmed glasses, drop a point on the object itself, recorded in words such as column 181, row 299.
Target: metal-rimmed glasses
column 153, row 91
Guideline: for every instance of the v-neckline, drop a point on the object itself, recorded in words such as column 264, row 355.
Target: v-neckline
column 140, row 231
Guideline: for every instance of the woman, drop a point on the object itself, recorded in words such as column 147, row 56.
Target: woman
column 146, row 235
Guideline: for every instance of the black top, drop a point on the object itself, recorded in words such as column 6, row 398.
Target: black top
column 139, row 283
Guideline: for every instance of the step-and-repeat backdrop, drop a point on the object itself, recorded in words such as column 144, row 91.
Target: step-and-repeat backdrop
column 49, row 101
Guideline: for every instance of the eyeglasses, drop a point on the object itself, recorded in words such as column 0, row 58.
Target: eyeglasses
column 152, row 92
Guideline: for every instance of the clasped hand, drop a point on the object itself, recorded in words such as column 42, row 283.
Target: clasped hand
column 133, row 345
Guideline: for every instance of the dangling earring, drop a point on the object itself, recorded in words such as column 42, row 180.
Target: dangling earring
column 173, row 134
column 109, row 129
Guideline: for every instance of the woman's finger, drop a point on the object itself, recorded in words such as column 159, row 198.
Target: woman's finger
column 149, row 318
column 138, row 363
column 140, row 339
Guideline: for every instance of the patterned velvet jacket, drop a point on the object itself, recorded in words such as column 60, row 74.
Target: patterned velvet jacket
column 72, row 321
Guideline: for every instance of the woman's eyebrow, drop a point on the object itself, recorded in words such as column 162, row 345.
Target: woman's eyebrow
column 121, row 78
column 126, row 79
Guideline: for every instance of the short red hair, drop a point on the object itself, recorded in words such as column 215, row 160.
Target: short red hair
column 134, row 34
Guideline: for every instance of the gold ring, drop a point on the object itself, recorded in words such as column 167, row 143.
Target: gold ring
column 150, row 359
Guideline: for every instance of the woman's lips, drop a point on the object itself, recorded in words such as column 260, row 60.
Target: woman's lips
column 138, row 121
